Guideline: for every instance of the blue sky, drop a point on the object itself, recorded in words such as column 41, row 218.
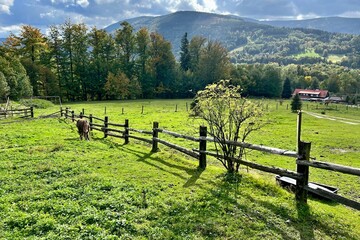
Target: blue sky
column 101, row 13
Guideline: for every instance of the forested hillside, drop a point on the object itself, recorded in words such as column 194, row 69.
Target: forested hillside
column 251, row 41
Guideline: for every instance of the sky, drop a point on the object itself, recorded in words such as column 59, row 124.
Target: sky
column 101, row 13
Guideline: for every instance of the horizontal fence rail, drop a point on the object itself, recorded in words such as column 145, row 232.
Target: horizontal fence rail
column 177, row 147
column 302, row 156
column 275, row 170
column 330, row 166
column 25, row 112
column 177, row 135
column 260, row 148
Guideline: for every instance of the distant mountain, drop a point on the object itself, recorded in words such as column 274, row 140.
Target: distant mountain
column 212, row 26
column 249, row 40
column 329, row 24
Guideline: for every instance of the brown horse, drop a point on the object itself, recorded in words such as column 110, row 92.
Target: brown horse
column 83, row 128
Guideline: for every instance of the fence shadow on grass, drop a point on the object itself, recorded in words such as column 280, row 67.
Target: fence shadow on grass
column 147, row 157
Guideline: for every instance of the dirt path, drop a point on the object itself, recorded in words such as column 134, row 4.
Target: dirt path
column 338, row 119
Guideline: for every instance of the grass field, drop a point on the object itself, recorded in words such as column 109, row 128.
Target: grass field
column 53, row 186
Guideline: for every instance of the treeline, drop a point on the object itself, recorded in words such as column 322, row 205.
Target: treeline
column 287, row 46
column 274, row 80
column 78, row 63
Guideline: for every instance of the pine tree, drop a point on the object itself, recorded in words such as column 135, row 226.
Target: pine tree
column 286, row 93
column 185, row 58
column 296, row 103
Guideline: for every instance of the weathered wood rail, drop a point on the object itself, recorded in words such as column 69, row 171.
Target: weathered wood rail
column 302, row 156
column 23, row 112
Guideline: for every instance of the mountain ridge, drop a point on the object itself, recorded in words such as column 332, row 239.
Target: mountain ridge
column 329, row 24
column 249, row 40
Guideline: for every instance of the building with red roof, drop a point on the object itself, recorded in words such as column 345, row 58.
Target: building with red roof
column 311, row 95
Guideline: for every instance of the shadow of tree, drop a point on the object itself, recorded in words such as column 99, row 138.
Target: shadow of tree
column 224, row 198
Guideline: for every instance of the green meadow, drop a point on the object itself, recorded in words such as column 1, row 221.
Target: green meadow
column 54, row 186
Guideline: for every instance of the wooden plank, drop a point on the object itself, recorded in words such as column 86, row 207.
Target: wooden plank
column 202, row 147
column 17, row 113
column 114, row 130
column 18, row 110
column 98, row 119
column 179, row 148
column 330, row 166
column 260, row 148
column 334, row 197
column 141, row 139
column 116, row 124
column 95, row 128
column 304, row 154
column 275, row 170
column 155, row 136
column 97, row 125
column 140, row 131
column 178, row 135
column 114, row 135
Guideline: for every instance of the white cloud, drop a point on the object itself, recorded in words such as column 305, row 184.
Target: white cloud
column 81, row 3
column 351, row 14
column 5, row 6
column 100, row 2
column 197, row 5
column 4, row 30
column 306, row 16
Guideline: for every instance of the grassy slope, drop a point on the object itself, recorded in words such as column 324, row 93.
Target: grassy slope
column 56, row 187
column 307, row 53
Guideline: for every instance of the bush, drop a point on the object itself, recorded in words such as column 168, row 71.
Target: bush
column 296, row 103
column 36, row 103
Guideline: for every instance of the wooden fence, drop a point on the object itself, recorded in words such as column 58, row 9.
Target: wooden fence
column 302, row 156
column 22, row 113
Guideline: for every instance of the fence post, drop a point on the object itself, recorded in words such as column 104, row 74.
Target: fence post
column 155, row 135
column 106, row 121
column 91, row 121
column 142, row 109
column 127, row 131
column 303, row 149
column 61, row 112
column 72, row 116
column 298, row 134
column 176, row 108
column 83, row 112
column 32, row 112
column 66, row 112
column 187, row 108
column 202, row 147
column 81, row 115
column 304, row 154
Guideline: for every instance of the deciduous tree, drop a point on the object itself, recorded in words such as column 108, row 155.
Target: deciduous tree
column 229, row 117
